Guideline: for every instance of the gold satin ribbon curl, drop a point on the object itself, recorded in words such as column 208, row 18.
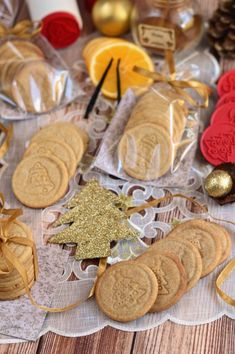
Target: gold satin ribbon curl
column 8, row 136
column 179, row 85
column 23, row 29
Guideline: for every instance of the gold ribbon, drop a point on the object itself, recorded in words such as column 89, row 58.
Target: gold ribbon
column 220, row 280
column 8, row 135
column 179, row 85
column 23, row 29
column 155, row 202
column 13, row 263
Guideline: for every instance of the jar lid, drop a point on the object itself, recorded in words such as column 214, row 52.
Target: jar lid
column 61, row 29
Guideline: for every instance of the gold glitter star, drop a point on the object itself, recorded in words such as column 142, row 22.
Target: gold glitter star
column 96, row 221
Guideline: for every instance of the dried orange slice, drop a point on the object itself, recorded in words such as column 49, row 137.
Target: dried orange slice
column 98, row 55
column 95, row 44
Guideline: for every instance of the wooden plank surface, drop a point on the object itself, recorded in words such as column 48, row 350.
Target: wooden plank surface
column 169, row 338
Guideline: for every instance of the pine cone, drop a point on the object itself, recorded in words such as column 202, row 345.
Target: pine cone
column 221, row 30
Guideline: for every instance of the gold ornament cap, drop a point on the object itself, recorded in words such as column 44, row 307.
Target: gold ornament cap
column 218, row 183
column 112, row 17
column 166, row 3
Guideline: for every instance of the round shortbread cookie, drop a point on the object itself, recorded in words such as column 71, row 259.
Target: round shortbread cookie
column 188, row 255
column 56, row 148
column 7, row 75
column 68, row 132
column 14, row 276
column 171, row 277
column 15, row 284
column 40, row 181
column 16, row 293
column 146, row 152
column 20, row 49
column 155, row 108
column 23, row 253
column 162, row 119
column 126, row 291
column 225, row 240
column 37, row 88
column 201, row 234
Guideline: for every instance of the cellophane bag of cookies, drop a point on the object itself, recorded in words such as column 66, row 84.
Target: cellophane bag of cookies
column 33, row 78
column 8, row 11
column 152, row 138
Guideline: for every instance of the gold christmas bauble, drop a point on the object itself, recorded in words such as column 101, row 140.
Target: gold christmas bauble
column 218, row 184
column 112, row 17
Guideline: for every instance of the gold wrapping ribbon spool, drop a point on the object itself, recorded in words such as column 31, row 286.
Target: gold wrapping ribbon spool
column 6, row 143
column 14, row 263
column 179, row 85
column 23, row 29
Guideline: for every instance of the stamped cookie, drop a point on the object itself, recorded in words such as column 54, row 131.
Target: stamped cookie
column 20, row 49
column 188, row 255
column 225, row 240
column 37, row 88
column 23, row 253
column 68, row 132
column 11, row 283
column 40, row 181
column 153, row 116
column 126, row 291
column 146, row 152
column 57, row 148
column 171, row 277
column 201, row 234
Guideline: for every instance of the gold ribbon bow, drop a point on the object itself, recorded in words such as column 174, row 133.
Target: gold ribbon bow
column 6, row 239
column 8, row 135
column 23, row 29
column 179, row 85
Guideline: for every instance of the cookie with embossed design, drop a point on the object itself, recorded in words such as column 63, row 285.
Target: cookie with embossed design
column 67, row 132
column 11, row 283
column 40, row 181
column 202, row 235
column 225, row 240
column 56, row 148
column 37, row 87
column 126, row 291
column 187, row 253
column 171, row 277
column 146, row 152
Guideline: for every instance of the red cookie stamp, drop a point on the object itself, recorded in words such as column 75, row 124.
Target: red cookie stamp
column 218, row 144
column 227, row 98
column 224, row 114
column 226, row 83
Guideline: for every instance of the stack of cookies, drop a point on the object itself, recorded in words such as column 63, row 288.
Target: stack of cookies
column 149, row 144
column 27, row 79
column 157, row 279
column 42, row 177
column 11, row 283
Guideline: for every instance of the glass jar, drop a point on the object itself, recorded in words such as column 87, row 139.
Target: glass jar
column 160, row 25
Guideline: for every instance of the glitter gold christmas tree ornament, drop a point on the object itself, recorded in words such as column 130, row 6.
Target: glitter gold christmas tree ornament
column 95, row 222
